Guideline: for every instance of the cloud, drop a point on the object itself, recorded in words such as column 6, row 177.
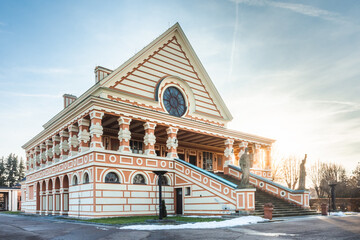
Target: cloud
column 45, row 70
column 233, row 48
column 19, row 94
column 295, row 7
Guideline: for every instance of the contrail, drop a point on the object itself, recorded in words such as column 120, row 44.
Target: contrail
column 233, row 48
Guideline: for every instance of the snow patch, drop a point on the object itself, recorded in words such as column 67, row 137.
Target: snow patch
column 204, row 225
column 341, row 214
column 195, row 216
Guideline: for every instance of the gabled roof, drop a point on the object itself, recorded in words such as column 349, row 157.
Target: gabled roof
column 168, row 55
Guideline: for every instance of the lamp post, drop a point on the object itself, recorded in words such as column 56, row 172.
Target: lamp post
column 160, row 176
column 332, row 186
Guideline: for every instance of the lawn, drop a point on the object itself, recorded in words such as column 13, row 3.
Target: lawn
column 11, row 212
column 142, row 219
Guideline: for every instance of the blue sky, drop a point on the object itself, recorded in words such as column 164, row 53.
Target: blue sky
column 286, row 69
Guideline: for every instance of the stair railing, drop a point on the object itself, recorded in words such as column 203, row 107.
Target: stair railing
column 298, row 197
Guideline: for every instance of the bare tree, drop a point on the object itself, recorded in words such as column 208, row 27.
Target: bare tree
column 315, row 174
column 290, row 170
column 322, row 174
column 276, row 165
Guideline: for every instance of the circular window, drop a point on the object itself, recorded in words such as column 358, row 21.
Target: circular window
column 174, row 101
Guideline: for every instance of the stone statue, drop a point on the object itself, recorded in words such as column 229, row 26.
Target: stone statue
column 302, row 174
column 245, row 167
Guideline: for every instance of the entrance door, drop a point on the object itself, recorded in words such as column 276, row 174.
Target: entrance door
column 179, row 201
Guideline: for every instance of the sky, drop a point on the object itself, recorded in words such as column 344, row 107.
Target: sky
column 287, row 70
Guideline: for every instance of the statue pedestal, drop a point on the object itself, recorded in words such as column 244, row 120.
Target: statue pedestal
column 245, row 199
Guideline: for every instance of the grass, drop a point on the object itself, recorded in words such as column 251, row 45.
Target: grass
column 142, row 219
column 11, row 212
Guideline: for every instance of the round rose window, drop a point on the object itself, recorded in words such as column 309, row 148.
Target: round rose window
column 174, row 102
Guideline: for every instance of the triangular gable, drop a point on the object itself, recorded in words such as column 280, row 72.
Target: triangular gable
column 168, row 55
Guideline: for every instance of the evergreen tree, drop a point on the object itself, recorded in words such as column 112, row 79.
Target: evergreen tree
column 12, row 172
column 2, row 172
column 21, row 172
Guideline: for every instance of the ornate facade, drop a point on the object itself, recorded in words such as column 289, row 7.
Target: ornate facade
column 157, row 111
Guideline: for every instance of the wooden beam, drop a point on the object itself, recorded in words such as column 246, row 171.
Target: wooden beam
column 109, row 121
column 213, row 141
column 195, row 137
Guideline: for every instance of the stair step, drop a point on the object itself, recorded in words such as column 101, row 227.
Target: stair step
column 282, row 208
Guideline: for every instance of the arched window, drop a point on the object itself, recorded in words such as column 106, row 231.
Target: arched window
column 164, row 181
column 139, row 179
column 86, row 178
column 75, row 180
column 112, row 177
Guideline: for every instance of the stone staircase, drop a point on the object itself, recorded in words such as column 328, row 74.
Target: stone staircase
column 282, row 208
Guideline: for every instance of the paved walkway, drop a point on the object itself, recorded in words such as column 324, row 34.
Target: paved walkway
column 30, row 227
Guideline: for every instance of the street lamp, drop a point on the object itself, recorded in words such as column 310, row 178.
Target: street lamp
column 160, row 177
column 332, row 186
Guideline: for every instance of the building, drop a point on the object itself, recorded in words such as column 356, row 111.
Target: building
column 157, row 111
column 10, row 198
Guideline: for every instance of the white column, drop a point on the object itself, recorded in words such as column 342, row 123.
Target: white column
column 96, row 130
column 56, row 148
column 64, row 145
column 84, row 135
column 124, row 134
column 229, row 152
column 149, row 138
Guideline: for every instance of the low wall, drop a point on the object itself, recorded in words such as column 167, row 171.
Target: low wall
column 342, row 204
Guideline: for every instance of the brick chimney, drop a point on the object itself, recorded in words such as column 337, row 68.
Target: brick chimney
column 101, row 73
column 68, row 99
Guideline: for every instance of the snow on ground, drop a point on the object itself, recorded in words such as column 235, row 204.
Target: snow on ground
column 199, row 216
column 340, row 214
column 227, row 223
